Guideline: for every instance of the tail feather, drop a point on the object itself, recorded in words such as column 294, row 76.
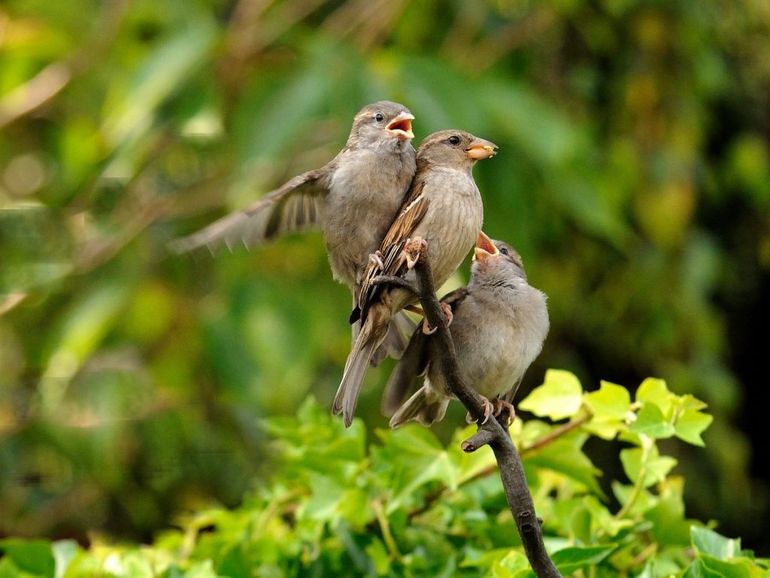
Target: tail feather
column 367, row 341
column 424, row 406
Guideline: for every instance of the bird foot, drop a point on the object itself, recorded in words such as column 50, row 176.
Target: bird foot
column 504, row 411
column 446, row 309
column 413, row 250
column 489, row 411
column 376, row 259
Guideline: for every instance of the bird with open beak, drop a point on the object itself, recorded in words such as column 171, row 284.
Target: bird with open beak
column 498, row 328
column 443, row 211
column 353, row 198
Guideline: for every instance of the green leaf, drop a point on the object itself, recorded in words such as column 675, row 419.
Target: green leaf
column 560, row 396
column 33, row 556
column 650, row 421
column 566, row 457
column 654, row 466
column 654, row 390
column 690, row 424
column 709, row 542
column 609, row 403
column 574, row 558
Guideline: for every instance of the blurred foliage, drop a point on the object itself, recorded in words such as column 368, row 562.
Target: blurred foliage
column 409, row 506
column 633, row 176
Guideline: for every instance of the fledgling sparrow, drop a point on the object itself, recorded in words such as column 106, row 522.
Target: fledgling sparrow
column 353, row 198
column 498, row 328
column 443, row 208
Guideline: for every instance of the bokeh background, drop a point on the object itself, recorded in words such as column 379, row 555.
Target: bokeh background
column 633, row 176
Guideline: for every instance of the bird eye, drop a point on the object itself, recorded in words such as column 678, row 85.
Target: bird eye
column 504, row 251
column 454, row 139
column 379, row 117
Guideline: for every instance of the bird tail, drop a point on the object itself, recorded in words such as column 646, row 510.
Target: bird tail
column 367, row 341
column 424, row 406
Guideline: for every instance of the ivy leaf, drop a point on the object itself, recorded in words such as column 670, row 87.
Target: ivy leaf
column 559, row 397
column 690, row 424
column 609, row 403
column 571, row 559
column 656, row 391
column 654, row 466
column 566, row 457
column 709, row 542
column 651, row 421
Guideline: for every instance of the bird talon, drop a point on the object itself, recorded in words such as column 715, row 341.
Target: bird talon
column 376, row 259
column 427, row 329
column 413, row 250
column 504, row 411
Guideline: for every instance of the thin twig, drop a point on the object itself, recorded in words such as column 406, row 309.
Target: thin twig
column 491, row 432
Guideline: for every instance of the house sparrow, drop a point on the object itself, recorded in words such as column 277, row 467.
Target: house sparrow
column 442, row 209
column 354, row 197
column 499, row 325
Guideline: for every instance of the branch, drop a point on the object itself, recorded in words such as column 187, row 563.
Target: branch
column 490, row 433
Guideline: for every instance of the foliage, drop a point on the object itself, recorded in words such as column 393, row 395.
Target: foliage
column 409, row 506
column 633, row 176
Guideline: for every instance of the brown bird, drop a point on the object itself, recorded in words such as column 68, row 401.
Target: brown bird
column 443, row 209
column 498, row 328
column 353, row 198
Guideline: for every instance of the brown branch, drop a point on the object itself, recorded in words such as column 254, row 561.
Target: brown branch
column 490, row 433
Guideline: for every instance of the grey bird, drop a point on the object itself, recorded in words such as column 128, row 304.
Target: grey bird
column 353, row 198
column 498, row 328
column 443, row 209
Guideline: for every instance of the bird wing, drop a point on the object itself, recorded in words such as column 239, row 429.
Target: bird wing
column 414, row 361
column 391, row 249
column 295, row 206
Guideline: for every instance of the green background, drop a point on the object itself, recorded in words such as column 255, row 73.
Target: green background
column 633, row 177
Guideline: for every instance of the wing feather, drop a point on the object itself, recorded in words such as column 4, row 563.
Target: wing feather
column 295, row 206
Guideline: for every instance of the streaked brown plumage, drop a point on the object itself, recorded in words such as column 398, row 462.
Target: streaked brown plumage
column 444, row 208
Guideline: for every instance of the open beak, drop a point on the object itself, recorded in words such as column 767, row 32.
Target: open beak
column 481, row 149
column 484, row 249
column 401, row 126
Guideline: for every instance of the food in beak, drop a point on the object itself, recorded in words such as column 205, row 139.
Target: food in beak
column 481, row 149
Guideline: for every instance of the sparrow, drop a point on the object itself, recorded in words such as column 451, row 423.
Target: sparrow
column 353, row 198
column 498, row 328
column 443, row 212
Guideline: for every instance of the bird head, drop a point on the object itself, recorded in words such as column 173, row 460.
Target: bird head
column 495, row 260
column 455, row 148
column 382, row 123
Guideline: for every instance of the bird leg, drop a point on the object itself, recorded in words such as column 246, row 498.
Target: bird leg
column 504, row 411
column 446, row 309
column 489, row 411
column 413, row 249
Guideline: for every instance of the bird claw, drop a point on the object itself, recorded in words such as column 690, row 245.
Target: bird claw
column 376, row 259
column 446, row 309
column 489, row 411
column 504, row 411
column 413, row 250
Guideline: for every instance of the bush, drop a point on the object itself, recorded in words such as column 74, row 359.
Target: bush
column 406, row 505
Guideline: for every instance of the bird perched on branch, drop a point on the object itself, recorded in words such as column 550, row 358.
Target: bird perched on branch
column 443, row 212
column 353, row 198
column 499, row 325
